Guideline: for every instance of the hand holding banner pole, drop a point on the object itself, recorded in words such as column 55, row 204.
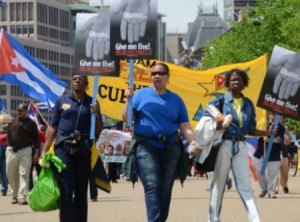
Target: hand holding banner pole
column 269, row 148
column 94, row 100
column 129, row 110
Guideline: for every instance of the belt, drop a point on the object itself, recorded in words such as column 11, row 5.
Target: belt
column 160, row 137
column 234, row 138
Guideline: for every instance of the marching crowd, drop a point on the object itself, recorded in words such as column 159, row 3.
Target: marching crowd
column 155, row 148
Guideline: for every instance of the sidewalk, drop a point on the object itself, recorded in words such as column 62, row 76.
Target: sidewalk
column 189, row 204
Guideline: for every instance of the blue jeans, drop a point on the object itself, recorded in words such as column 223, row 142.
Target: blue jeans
column 3, row 176
column 157, row 169
column 74, row 186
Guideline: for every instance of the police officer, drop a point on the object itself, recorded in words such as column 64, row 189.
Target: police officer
column 70, row 128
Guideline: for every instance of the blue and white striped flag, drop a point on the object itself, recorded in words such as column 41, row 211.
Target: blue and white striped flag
column 19, row 68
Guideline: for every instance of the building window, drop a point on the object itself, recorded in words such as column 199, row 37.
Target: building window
column 240, row 3
column 53, row 33
column 42, row 13
column 13, row 29
column 54, row 16
column 24, row 11
column 19, row 29
column 30, row 29
column 65, row 58
column 30, row 11
column 3, row 14
column 228, row 15
column 15, row 91
column 2, row 89
column 253, row 3
column 64, row 71
column 19, row 12
column 53, row 56
column 64, row 19
column 41, row 53
column 227, row 2
column 12, row 10
column 31, row 50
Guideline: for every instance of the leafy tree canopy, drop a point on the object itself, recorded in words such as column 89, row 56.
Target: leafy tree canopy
column 273, row 22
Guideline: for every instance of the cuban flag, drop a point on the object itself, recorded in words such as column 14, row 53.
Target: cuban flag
column 41, row 105
column 19, row 68
column 36, row 116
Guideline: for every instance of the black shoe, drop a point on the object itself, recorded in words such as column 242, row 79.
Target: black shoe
column 94, row 199
column 229, row 184
column 14, row 200
column 286, row 190
column 23, row 202
column 272, row 195
column 263, row 193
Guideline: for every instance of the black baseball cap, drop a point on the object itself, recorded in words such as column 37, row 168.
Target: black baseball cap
column 22, row 106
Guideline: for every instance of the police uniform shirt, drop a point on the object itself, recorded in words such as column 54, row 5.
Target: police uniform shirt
column 65, row 114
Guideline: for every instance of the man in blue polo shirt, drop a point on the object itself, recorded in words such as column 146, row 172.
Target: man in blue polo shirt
column 70, row 128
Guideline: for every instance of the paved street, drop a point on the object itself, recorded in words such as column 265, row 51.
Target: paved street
column 189, row 204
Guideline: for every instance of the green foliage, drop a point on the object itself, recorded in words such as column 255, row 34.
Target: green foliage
column 273, row 22
column 294, row 126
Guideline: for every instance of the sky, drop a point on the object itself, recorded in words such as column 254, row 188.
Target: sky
column 180, row 12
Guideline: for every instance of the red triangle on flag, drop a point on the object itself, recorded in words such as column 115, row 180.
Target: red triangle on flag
column 9, row 61
column 220, row 81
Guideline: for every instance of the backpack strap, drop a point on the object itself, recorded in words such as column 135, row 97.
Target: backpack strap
column 221, row 103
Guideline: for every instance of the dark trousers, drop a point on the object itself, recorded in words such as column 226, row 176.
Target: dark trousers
column 113, row 171
column 74, row 185
column 4, row 181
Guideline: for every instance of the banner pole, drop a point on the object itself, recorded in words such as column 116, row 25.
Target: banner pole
column 94, row 100
column 129, row 105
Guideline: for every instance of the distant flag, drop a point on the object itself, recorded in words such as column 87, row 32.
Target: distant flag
column 41, row 105
column 36, row 116
column 3, row 4
column 19, row 68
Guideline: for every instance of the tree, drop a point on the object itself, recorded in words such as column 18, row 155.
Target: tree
column 273, row 22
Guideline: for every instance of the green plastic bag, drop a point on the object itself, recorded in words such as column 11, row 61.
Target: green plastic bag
column 45, row 193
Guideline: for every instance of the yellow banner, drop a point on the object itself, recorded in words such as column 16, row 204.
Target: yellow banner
column 196, row 88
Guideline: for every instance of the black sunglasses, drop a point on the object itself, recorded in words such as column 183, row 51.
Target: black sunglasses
column 158, row 73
